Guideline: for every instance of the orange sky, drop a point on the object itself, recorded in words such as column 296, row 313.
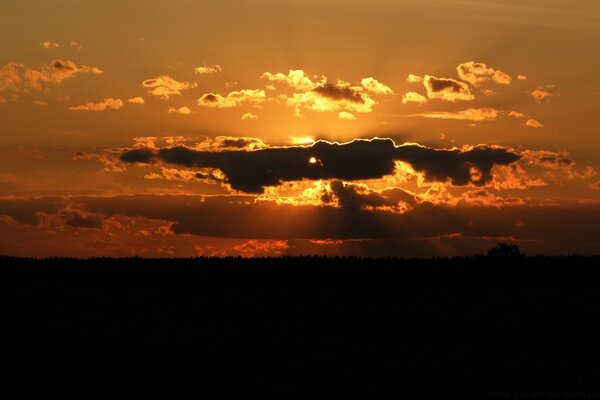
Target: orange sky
column 187, row 128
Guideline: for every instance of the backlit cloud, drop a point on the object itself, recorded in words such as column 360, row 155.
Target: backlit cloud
column 447, row 89
column 180, row 110
column 471, row 114
column 18, row 78
column 296, row 79
column 49, row 45
column 478, row 73
column 136, row 100
column 374, row 86
column 252, row 171
column 346, row 115
column 248, row 116
column 414, row 97
column 108, row 103
column 164, row 86
column 413, row 78
column 533, row 123
column 233, row 99
column 208, row 69
column 542, row 93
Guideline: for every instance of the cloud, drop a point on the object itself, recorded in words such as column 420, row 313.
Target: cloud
column 40, row 103
column 594, row 185
column 317, row 94
column 179, row 111
column 108, row 103
column 18, row 78
column 478, row 73
column 374, row 86
column 75, row 45
column 447, row 89
column 136, row 100
column 471, row 114
column 413, row 97
column 208, row 69
column 346, row 115
column 296, row 79
column 49, row 45
column 521, row 78
column 252, row 171
column 233, row 99
column 248, row 116
column 413, row 78
column 164, row 86
column 541, row 93
column 516, row 114
column 533, row 123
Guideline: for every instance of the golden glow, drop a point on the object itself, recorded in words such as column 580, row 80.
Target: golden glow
column 312, row 160
column 302, row 140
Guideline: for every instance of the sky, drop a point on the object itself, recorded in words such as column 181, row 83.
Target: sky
column 265, row 128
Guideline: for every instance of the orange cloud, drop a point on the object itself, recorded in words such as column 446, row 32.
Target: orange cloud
column 447, row 89
column 296, row 79
column 516, row 114
column 471, row 114
column 478, row 73
column 233, row 99
column 346, row 115
column 208, row 69
column 164, row 86
column 413, row 78
column 180, row 110
column 374, row 86
column 75, row 45
column 16, row 77
column 414, row 97
column 521, row 78
column 533, row 123
column 541, row 93
column 248, row 116
column 108, row 103
column 49, row 45
column 136, row 100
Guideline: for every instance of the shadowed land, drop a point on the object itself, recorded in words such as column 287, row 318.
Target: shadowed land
column 304, row 327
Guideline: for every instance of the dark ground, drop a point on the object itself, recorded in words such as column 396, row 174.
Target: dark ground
column 478, row 327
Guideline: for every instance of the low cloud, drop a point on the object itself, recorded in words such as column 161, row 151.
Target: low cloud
column 478, row 73
column 233, row 99
column 346, row 115
column 208, row 69
column 413, row 97
column 374, row 86
column 447, row 89
column 248, row 116
column 136, row 100
column 413, row 78
column 108, row 103
column 252, row 171
column 49, row 45
column 471, row 114
column 164, row 86
column 180, row 110
column 543, row 93
column 18, row 78
column 533, row 123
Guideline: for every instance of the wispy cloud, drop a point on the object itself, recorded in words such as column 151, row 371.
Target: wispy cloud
column 108, row 103
column 164, row 86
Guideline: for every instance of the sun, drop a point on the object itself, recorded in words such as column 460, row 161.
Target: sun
column 312, row 160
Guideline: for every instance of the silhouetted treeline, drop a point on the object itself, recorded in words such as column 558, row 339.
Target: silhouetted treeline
column 302, row 327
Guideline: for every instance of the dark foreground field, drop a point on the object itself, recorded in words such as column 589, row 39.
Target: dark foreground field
column 302, row 328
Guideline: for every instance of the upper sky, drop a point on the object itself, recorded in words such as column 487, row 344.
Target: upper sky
column 408, row 128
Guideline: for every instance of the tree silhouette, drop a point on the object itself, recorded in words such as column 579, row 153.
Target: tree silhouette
column 505, row 250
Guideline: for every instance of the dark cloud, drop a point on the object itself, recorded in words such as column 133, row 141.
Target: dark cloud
column 27, row 211
column 336, row 92
column 80, row 221
column 251, row 171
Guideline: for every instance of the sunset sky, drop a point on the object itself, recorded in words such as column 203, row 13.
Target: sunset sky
column 370, row 128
